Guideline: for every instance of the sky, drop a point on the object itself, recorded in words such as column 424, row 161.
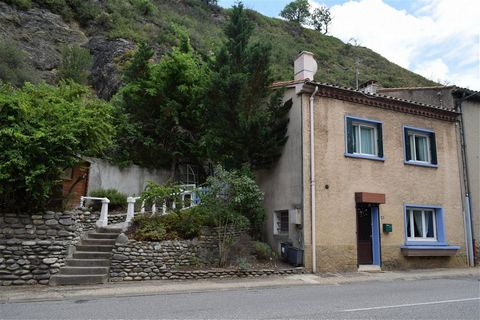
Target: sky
column 439, row 39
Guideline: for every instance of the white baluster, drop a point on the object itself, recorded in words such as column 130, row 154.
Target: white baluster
column 103, row 220
column 130, row 209
column 82, row 201
column 154, row 209
column 142, row 210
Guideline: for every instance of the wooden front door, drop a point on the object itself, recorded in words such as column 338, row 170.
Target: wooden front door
column 364, row 234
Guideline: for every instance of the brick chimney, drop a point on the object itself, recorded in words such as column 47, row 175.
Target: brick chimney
column 305, row 66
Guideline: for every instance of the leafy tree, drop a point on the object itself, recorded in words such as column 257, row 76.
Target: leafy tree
column 321, row 19
column 14, row 68
column 233, row 201
column 297, row 11
column 43, row 129
column 76, row 64
column 160, row 108
column 246, row 124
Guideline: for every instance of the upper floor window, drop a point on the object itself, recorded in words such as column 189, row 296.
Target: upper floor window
column 420, row 146
column 364, row 138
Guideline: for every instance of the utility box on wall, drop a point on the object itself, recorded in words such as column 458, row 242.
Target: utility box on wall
column 387, row 227
column 295, row 216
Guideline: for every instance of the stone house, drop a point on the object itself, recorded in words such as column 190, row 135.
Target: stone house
column 366, row 181
column 466, row 102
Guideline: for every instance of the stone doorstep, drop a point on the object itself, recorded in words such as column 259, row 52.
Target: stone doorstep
column 369, row 268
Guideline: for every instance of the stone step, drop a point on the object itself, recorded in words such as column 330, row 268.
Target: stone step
column 95, row 248
column 96, row 235
column 93, row 270
column 96, row 242
column 88, row 262
column 63, row 279
column 91, row 255
column 109, row 230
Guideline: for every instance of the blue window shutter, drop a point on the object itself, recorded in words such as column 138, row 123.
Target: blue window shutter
column 433, row 148
column 350, row 137
column 379, row 140
column 408, row 152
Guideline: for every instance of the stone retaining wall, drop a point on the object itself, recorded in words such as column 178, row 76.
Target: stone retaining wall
column 33, row 247
column 142, row 260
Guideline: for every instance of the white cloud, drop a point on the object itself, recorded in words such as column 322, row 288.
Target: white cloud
column 440, row 39
column 436, row 70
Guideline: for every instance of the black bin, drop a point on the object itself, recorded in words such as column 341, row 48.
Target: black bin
column 284, row 249
column 295, row 256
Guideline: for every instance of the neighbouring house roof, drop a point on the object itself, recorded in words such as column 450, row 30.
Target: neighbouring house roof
column 376, row 100
column 457, row 92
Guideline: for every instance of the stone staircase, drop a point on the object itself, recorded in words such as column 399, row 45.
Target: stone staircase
column 90, row 263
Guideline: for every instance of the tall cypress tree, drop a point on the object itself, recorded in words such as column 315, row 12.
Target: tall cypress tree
column 246, row 122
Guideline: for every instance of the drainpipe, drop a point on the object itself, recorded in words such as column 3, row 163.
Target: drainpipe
column 469, row 234
column 312, row 181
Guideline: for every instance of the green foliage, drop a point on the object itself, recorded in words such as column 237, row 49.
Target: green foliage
column 234, row 196
column 76, row 64
column 297, row 11
column 118, row 200
column 43, row 129
column 22, row 4
column 247, row 125
column 184, row 224
column 144, row 7
column 263, row 251
column 321, row 19
column 160, row 108
column 243, row 263
column 160, row 194
column 14, row 68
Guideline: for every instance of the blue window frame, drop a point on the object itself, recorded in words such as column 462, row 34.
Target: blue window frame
column 420, row 147
column 363, row 138
column 424, row 225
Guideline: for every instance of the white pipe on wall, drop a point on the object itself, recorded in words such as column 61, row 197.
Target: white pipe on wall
column 312, row 181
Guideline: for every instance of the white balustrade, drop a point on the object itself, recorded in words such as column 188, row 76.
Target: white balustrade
column 103, row 220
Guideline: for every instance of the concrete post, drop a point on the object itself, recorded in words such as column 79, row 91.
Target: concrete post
column 103, row 220
column 130, row 209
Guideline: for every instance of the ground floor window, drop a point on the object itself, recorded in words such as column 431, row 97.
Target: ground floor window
column 280, row 222
column 424, row 224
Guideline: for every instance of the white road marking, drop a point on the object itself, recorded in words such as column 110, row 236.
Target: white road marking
column 411, row 304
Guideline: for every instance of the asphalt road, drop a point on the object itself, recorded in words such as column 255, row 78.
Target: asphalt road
column 456, row 298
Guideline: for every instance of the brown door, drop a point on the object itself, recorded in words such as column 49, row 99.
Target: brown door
column 364, row 234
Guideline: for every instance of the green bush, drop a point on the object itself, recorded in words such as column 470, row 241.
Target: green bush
column 118, row 200
column 263, row 251
column 76, row 64
column 22, row 4
column 149, row 228
column 175, row 225
column 14, row 68
column 44, row 129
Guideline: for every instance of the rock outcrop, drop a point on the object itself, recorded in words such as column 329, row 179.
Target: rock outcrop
column 41, row 34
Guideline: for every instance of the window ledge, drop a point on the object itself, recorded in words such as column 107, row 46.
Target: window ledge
column 429, row 251
column 421, row 164
column 362, row 156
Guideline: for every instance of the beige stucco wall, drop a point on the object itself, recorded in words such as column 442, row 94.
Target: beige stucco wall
column 471, row 120
column 403, row 184
column 282, row 184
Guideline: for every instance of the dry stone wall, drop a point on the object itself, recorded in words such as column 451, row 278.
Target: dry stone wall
column 33, row 247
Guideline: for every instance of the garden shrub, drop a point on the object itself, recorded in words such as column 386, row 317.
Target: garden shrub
column 263, row 251
column 44, row 129
column 184, row 224
column 118, row 200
